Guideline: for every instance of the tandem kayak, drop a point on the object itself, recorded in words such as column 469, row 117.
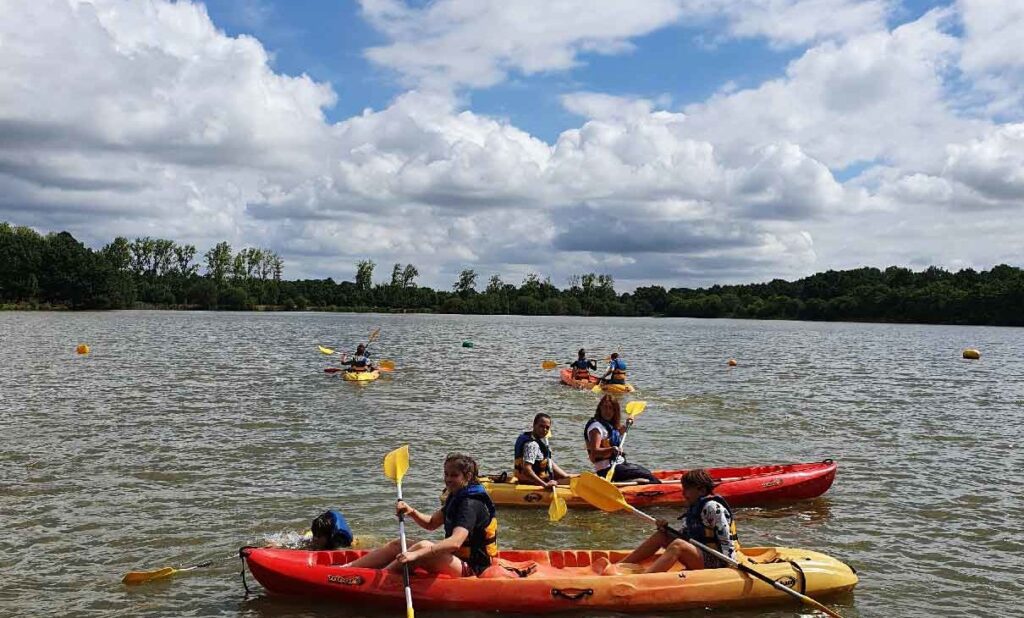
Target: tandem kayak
column 592, row 381
column 549, row 581
column 745, row 486
column 360, row 376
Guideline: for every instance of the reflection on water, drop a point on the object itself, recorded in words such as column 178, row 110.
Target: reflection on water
column 183, row 436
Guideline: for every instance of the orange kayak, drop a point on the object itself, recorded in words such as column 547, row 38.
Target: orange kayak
column 542, row 581
column 742, row 486
column 565, row 377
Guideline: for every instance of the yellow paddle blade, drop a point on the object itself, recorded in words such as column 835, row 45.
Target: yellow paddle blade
column 548, row 364
column 386, row 365
column 597, row 389
column 557, row 509
column 141, row 577
column 598, row 492
column 635, row 408
column 396, row 463
column 324, row 350
column 375, row 335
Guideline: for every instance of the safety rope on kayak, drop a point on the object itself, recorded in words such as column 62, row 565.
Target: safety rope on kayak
column 803, row 576
column 242, row 555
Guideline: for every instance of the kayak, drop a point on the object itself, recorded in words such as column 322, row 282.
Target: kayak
column 360, row 376
column 544, row 581
column 744, row 486
column 592, row 381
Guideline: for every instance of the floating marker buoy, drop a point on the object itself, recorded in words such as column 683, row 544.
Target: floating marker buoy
column 732, row 362
column 467, row 344
column 82, row 349
column 972, row 354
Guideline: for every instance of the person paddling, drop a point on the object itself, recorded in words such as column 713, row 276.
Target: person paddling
column 360, row 361
column 603, row 436
column 534, row 464
column 582, row 366
column 616, row 373
column 470, row 529
column 708, row 519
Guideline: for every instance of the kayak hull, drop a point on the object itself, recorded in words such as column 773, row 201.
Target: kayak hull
column 360, row 376
column 741, row 486
column 566, row 378
column 559, row 580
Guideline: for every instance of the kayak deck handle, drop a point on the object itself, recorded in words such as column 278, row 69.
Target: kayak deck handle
column 572, row 594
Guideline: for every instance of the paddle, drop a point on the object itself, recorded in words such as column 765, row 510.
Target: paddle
column 633, row 409
column 548, row 365
column 374, row 336
column 607, row 497
column 557, row 509
column 141, row 577
column 396, row 463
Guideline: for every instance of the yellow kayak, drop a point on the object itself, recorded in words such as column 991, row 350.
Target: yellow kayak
column 361, row 376
column 617, row 388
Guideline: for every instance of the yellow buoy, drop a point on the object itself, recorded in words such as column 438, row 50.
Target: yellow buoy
column 732, row 362
column 82, row 349
column 972, row 354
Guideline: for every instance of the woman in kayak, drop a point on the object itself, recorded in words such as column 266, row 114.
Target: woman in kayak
column 603, row 435
column 582, row 366
column 708, row 519
column 470, row 529
column 359, row 362
column 534, row 463
column 616, row 373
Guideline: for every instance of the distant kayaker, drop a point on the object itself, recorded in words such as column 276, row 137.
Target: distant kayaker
column 470, row 529
column 603, row 435
column 708, row 519
column 330, row 531
column 360, row 361
column 582, row 366
column 616, row 373
column 533, row 460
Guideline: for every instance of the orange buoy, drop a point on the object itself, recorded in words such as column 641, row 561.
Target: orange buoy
column 972, row 354
column 732, row 362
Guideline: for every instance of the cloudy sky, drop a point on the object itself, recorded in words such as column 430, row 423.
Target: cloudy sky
column 677, row 142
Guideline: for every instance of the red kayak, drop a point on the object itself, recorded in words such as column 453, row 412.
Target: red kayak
column 587, row 384
column 744, row 486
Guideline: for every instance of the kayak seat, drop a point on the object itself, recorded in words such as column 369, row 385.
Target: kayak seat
column 505, row 569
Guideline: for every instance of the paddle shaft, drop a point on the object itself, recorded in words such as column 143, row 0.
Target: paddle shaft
column 741, row 567
column 611, row 471
column 405, row 567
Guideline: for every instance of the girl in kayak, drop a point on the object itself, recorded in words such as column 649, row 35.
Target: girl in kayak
column 582, row 366
column 534, row 463
column 470, row 529
column 603, row 435
column 708, row 519
column 616, row 373
column 360, row 361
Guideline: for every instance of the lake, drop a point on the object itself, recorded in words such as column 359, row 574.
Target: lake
column 184, row 436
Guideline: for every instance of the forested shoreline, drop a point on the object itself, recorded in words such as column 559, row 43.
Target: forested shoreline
column 55, row 271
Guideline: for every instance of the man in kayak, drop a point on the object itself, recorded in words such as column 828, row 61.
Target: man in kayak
column 330, row 531
column 470, row 529
column 533, row 460
column 708, row 519
column 582, row 366
column 359, row 362
column 603, row 435
column 616, row 373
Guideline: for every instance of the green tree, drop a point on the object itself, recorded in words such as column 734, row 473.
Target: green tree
column 364, row 274
column 218, row 261
column 466, row 283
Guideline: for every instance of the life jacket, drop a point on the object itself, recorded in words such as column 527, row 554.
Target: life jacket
column 614, row 439
column 618, row 368
column 581, row 369
column 481, row 546
column 340, row 533
column 695, row 528
column 541, row 468
column 359, row 363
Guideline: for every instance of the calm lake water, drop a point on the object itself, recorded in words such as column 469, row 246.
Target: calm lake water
column 184, row 436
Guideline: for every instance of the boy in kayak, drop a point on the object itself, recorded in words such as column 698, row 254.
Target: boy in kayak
column 582, row 366
column 533, row 460
column 470, row 529
column 359, row 362
column 330, row 531
column 708, row 519
column 603, row 435
column 616, row 373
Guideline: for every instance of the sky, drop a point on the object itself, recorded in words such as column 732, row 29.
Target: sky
column 671, row 142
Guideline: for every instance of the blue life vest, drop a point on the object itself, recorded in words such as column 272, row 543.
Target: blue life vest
column 614, row 438
column 618, row 368
column 540, row 468
column 359, row 363
column 581, row 368
column 341, row 534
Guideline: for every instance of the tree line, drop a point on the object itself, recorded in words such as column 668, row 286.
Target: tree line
column 57, row 271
